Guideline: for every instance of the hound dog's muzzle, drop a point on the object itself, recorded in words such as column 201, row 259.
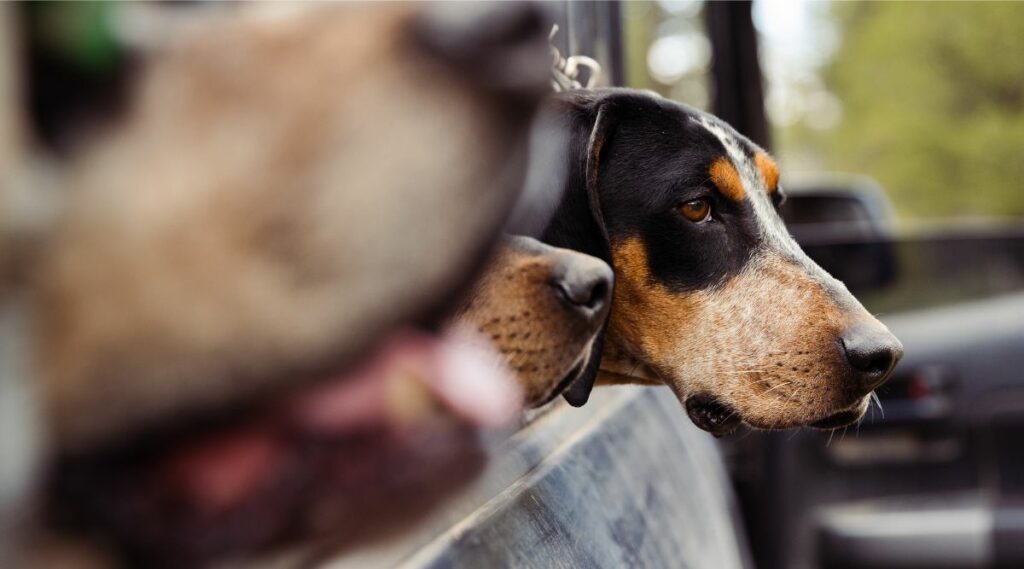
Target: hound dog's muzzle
column 542, row 309
column 712, row 294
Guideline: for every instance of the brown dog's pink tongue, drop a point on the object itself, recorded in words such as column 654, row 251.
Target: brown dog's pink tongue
column 470, row 379
column 460, row 375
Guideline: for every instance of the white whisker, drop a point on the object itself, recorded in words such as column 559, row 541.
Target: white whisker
column 874, row 397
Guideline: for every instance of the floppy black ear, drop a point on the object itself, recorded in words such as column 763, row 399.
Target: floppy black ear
column 579, row 223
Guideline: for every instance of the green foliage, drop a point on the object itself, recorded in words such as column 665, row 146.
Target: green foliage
column 640, row 22
column 933, row 104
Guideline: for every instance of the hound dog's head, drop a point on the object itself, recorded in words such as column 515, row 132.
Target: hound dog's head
column 712, row 295
column 542, row 308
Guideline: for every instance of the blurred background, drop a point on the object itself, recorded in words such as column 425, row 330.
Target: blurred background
column 926, row 97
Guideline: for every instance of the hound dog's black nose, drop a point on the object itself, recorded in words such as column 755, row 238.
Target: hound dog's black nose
column 872, row 352
column 583, row 283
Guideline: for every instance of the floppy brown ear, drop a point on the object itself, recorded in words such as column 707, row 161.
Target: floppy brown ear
column 579, row 222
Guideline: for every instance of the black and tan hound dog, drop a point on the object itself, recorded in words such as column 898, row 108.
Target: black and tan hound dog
column 713, row 296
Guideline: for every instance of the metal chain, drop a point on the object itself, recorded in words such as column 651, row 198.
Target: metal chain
column 565, row 70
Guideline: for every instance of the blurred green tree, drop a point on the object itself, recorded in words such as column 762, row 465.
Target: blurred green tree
column 933, row 104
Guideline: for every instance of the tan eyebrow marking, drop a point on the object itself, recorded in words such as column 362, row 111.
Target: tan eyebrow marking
column 769, row 171
column 727, row 179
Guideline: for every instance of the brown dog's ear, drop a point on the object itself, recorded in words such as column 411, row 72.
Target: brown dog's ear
column 579, row 223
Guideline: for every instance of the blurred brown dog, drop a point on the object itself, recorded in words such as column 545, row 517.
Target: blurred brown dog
column 217, row 305
column 261, row 213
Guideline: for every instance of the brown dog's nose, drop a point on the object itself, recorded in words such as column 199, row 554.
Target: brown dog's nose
column 872, row 352
column 583, row 283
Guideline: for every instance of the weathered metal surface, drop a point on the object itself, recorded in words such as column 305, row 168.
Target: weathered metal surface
column 626, row 481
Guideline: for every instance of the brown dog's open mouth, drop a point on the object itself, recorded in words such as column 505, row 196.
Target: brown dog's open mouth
column 331, row 456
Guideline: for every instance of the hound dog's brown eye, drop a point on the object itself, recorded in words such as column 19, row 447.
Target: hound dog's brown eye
column 697, row 210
